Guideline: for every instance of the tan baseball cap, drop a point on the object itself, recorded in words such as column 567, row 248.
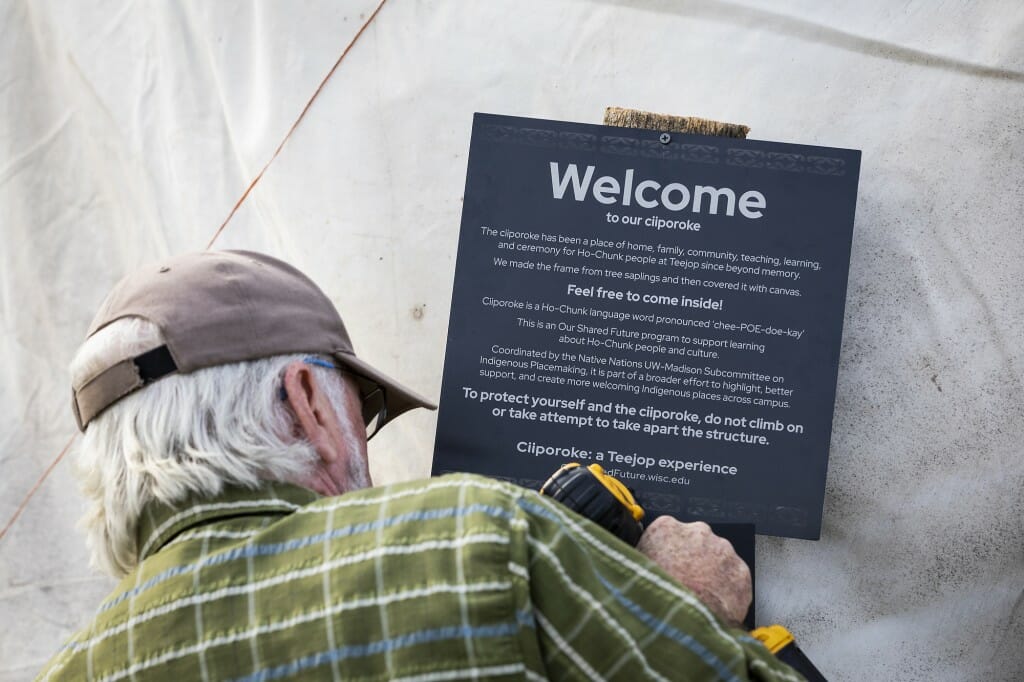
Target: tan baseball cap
column 219, row 307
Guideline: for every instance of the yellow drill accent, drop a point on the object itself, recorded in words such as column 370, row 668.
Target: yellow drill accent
column 775, row 637
column 620, row 491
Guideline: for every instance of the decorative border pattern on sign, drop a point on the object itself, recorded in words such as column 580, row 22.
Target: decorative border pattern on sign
column 625, row 145
column 712, row 509
column 793, row 163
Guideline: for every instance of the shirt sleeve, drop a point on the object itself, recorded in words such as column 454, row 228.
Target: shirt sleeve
column 602, row 610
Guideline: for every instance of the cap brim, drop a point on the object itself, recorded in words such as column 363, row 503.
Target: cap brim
column 397, row 397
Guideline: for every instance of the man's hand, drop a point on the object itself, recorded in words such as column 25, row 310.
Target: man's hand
column 703, row 562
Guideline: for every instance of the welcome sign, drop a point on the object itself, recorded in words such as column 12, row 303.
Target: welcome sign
column 668, row 306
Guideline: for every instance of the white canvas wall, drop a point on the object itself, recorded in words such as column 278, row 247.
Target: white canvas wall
column 129, row 129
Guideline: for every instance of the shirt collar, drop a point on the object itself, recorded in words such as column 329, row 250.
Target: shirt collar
column 160, row 522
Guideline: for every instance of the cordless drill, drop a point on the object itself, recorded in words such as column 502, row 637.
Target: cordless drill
column 603, row 499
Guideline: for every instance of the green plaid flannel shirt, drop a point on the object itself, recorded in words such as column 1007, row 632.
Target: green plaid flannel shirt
column 458, row 577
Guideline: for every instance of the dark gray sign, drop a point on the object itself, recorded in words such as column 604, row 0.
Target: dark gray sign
column 668, row 306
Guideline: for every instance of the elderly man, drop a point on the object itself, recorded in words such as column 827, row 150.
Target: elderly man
column 225, row 464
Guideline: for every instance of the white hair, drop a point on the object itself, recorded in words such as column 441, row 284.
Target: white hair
column 183, row 434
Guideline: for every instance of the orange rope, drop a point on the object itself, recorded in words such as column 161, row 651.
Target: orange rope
column 24, row 503
column 238, row 204
column 295, row 125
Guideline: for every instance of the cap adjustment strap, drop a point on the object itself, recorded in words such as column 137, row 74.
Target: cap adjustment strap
column 118, row 381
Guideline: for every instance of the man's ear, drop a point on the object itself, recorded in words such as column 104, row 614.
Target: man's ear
column 314, row 414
